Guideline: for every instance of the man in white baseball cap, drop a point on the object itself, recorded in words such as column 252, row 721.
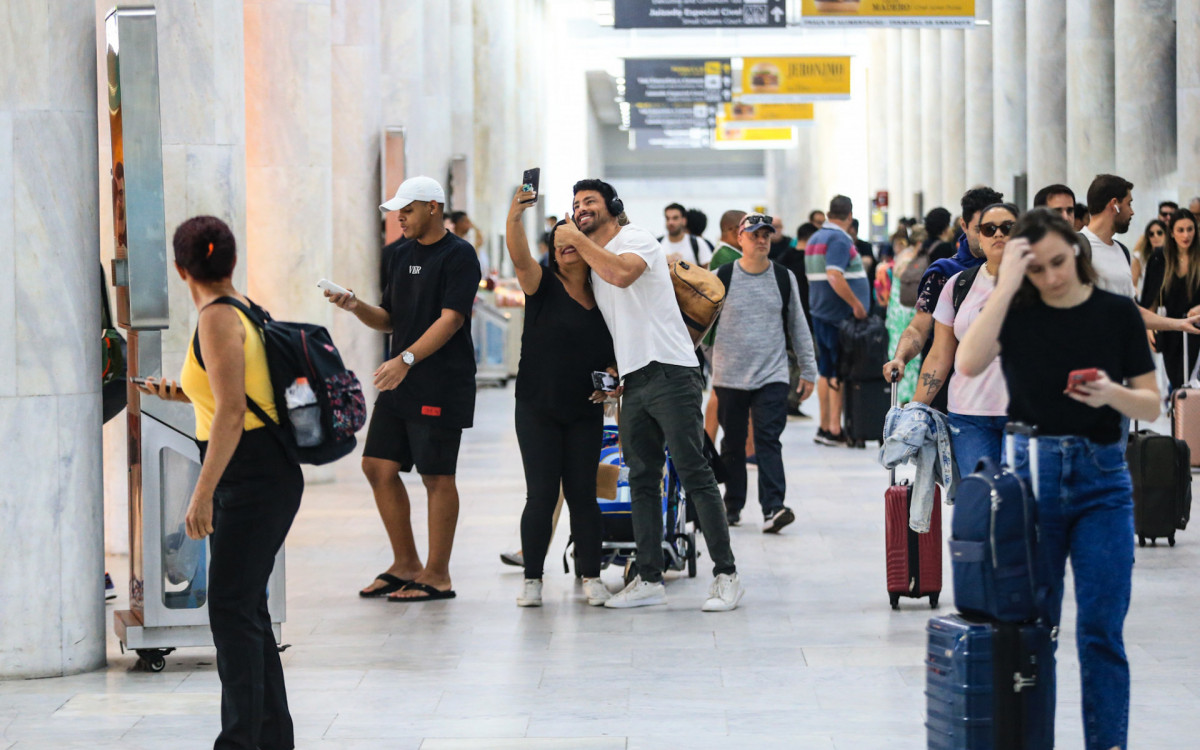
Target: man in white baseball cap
column 426, row 391
column 424, row 189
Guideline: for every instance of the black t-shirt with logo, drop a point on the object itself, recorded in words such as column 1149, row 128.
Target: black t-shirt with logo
column 562, row 344
column 1040, row 345
column 426, row 279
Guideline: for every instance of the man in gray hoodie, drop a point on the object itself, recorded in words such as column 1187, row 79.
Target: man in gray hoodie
column 761, row 318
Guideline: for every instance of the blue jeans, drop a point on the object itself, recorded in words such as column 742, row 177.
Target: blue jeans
column 1085, row 511
column 973, row 437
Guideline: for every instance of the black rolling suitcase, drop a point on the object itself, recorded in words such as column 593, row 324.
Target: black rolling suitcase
column 865, row 407
column 1160, row 467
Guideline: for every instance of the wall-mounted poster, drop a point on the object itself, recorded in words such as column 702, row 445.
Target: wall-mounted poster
column 937, row 13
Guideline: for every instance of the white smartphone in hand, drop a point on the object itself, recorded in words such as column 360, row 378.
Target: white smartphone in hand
column 333, row 288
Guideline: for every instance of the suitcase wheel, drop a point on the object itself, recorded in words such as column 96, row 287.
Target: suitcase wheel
column 895, row 600
column 691, row 555
column 1141, row 541
column 933, row 599
column 1171, row 540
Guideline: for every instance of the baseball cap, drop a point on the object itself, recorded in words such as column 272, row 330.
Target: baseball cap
column 415, row 189
column 755, row 222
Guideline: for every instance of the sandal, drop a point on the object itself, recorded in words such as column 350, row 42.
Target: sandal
column 393, row 583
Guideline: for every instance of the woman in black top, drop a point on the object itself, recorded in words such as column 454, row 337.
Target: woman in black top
column 1173, row 282
column 1048, row 319
column 560, row 416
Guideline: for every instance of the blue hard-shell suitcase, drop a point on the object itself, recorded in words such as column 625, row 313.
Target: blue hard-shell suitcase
column 989, row 685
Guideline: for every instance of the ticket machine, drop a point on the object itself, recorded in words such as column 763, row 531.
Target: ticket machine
column 168, row 577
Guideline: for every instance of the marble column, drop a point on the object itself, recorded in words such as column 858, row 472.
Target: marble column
column 877, row 119
column 895, row 131
column 932, row 117
column 1008, row 94
column 979, row 123
column 1144, row 92
column 51, row 507
column 357, row 125
column 792, row 186
column 1046, row 113
column 289, row 163
column 1187, row 92
column 910, row 66
column 462, row 105
column 953, row 110
column 1091, row 134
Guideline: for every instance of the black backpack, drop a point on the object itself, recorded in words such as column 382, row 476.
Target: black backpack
column 962, row 285
column 304, row 350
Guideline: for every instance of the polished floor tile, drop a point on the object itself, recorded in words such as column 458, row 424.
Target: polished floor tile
column 814, row 658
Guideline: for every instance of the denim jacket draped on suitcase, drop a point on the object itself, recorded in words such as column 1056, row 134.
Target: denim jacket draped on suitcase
column 920, row 435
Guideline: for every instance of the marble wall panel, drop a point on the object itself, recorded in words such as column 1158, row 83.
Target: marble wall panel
column 932, row 117
column 1187, row 72
column 910, row 84
column 55, row 222
column 954, row 136
column 1045, row 70
column 31, row 592
column 977, row 91
column 877, row 112
column 1091, row 135
column 8, row 258
column 1144, row 93
column 895, row 128
column 1008, row 93
column 80, row 545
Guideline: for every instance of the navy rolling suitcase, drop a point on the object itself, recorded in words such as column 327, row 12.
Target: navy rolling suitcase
column 989, row 685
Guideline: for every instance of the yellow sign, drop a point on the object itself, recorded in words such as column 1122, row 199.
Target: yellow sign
column 938, row 13
column 791, row 80
column 743, row 115
column 736, row 137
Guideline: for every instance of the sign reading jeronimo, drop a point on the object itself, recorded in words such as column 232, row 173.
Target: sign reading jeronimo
column 698, row 14
column 791, row 80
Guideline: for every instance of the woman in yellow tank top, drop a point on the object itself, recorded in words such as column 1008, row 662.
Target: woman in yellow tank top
column 248, row 491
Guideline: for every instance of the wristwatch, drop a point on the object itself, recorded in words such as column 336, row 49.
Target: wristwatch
column 408, row 358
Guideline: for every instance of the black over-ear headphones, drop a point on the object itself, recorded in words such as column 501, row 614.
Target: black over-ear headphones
column 615, row 205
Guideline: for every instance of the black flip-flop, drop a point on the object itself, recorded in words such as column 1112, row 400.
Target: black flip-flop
column 394, row 583
column 431, row 594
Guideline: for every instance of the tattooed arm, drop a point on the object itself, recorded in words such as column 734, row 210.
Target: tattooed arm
column 936, row 367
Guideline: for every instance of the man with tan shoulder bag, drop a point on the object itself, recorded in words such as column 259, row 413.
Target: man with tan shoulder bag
column 663, row 389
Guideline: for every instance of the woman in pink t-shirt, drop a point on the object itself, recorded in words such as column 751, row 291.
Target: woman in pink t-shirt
column 978, row 406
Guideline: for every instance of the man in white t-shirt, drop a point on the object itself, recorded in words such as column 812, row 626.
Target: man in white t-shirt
column 678, row 243
column 663, row 390
column 1110, row 204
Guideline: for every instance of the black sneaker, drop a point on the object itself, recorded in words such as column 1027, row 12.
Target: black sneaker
column 777, row 520
column 733, row 518
column 823, row 438
column 838, row 439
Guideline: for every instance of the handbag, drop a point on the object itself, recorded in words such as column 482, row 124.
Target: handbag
column 699, row 294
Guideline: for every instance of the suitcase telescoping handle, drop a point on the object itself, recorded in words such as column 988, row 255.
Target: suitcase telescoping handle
column 895, row 379
column 1011, row 430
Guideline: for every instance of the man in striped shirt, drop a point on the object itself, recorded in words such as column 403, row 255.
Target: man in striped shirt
column 838, row 290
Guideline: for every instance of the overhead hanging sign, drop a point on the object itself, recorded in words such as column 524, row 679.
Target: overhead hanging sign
column 674, row 94
column 672, row 116
column 936, row 13
column 790, row 80
column 698, row 14
column 730, row 137
column 742, row 115
column 659, row 139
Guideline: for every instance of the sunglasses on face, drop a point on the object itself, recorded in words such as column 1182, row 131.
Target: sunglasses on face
column 1156, row 233
column 1004, row 228
column 1166, row 214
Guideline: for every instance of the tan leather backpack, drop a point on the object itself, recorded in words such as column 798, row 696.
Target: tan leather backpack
column 700, row 295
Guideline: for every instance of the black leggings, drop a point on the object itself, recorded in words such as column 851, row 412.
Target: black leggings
column 253, row 508
column 567, row 452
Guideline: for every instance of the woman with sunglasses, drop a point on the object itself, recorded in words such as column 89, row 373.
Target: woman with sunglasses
column 1047, row 319
column 1153, row 238
column 977, row 406
column 1173, row 283
column 560, row 415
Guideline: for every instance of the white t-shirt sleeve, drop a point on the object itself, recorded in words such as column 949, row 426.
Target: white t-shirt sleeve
column 944, row 312
column 638, row 241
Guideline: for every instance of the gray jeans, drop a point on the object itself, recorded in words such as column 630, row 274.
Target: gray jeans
column 662, row 404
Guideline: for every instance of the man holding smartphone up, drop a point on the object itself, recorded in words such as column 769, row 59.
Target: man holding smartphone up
column 663, row 390
column 426, row 391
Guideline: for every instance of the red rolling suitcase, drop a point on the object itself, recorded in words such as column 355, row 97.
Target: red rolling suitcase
column 914, row 561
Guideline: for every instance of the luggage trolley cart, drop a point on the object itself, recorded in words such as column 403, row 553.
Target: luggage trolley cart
column 618, row 546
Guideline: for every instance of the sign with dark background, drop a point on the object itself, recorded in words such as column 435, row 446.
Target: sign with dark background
column 698, row 14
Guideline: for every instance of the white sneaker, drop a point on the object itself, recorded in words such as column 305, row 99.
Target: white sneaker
column 638, row 593
column 531, row 594
column 724, row 593
column 595, row 591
